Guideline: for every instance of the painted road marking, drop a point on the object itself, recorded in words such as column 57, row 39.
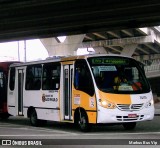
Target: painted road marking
column 144, row 133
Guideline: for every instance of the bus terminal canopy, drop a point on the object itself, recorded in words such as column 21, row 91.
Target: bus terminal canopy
column 39, row 19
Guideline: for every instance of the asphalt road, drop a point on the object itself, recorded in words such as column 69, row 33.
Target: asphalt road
column 19, row 129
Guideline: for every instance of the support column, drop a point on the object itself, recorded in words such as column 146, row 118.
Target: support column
column 68, row 47
column 129, row 49
column 100, row 50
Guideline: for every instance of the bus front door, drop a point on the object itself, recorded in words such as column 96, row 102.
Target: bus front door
column 20, row 91
column 67, row 90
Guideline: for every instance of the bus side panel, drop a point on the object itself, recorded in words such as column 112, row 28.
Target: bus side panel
column 11, row 103
column 45, row 103
column 83, row 100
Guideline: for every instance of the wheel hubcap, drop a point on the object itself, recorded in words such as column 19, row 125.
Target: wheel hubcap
column 82, row 122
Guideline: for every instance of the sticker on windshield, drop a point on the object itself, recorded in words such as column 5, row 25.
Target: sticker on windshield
column 107, row 68
column 125, row 88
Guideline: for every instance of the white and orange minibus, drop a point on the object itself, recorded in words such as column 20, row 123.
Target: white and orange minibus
column 85, row 90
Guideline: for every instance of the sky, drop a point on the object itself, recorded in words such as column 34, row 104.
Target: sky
column 34, row 50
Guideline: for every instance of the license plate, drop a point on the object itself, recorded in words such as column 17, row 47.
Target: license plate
column 132, row 115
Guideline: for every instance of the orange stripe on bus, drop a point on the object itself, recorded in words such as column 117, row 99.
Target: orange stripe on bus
column 116, row 98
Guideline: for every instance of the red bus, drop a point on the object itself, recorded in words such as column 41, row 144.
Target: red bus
column 4, row 68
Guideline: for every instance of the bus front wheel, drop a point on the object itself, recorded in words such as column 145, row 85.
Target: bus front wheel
column 82, row 122
column 129, row 126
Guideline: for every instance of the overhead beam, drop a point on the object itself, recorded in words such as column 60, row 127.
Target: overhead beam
column 143, row 30
column 118, row 42
column 147, row 57
column 115, row 49
column 89, row 37
column 143, row 50
column 152, row 48
column 127, row 32
column 113, row 34
column 100, row 35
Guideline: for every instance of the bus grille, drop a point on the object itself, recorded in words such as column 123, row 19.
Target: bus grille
column 126, row 118
column 128, row 107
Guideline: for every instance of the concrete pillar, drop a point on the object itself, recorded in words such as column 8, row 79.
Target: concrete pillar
column 68, row 47
column 129, row 49
column 100, row 50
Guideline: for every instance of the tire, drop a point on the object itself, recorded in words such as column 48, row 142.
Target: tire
column 4, row 116
column 33, row 118
column 129, row 126
column 82, row 122
column 42, row 122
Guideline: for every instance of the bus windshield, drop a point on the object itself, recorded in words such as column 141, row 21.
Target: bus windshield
column 118, row 75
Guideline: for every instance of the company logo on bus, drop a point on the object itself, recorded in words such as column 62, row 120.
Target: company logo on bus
column 48, row 98
column 43, row 98
column 143, row 97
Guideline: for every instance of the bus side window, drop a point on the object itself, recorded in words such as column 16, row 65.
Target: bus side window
column 82, row 77
column 51, row 76
column 33, row 77
column 12, row 79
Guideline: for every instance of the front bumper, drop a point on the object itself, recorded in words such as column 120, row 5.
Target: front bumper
column 118, row 116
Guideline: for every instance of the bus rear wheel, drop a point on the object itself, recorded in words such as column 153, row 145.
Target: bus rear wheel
column 33, row 118
column 4, row 116
column 129, row 126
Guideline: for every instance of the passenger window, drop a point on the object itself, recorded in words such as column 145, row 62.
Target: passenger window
column 12, row 79
column 82, row 77
column 33, row 77
column 51, row 76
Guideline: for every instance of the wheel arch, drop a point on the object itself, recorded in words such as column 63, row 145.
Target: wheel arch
column 77, row 113
column 30, row 110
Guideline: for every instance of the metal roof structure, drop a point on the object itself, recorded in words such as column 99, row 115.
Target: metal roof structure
column 28, row 19
column 148, row 40
column 109, row 24
column 111, row 21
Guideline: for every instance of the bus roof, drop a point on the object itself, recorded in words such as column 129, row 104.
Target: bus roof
column 65, row 58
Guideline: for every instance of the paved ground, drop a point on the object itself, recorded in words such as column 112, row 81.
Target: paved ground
column 18, row 128
column 67, row 136
column 157, row 108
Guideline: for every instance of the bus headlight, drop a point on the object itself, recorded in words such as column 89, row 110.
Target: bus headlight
column 149, row 103
column 107, row 104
